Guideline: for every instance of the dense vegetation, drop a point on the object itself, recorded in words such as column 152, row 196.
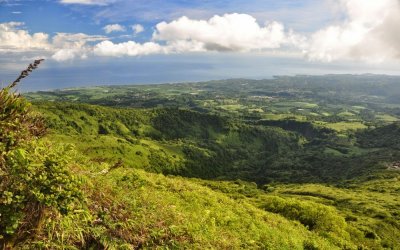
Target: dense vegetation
column 35, row 177
column 289, row 163
column 44, row 205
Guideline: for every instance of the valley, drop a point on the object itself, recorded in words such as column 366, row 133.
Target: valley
column 314, row 152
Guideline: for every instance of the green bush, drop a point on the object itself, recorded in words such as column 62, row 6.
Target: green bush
column 314, row 216
column 34, row 176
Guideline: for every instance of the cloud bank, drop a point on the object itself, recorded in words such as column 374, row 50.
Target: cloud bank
column 71, row 46
column 61, row 47
column 230, row 32
column 369, row 32
column 130, row 48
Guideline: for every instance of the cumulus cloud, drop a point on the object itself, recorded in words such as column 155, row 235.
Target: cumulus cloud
column 70, row 46
column 137, row 28
column 230, row 32
column 63, row 46
column 113, row 28
column 15, row 39
column 67, row 54
column 74, row 40
column 130, row 48
column 370, row 33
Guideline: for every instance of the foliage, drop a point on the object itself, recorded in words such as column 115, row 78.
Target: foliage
column 314, row 216
column 34, row 175
column 134, row 209
column 386, row 136
column 288, row 163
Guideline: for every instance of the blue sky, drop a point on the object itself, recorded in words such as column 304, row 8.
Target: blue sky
column 91, row 42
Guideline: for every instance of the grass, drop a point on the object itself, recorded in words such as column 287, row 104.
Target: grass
column 258, row 110
column 135, row 209
column 131, row 208
column 231, row 107
column 346, row 113
column 369, row 208
column 296, row 104
column 135, row 154
column 386, row 118
column 269, row 116
column 343, row 126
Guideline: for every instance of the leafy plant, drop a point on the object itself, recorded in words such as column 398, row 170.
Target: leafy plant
column 35, row 178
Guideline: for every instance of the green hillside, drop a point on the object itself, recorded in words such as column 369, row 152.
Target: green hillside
column 85, row 204
column 193, row 144
column 255, row 168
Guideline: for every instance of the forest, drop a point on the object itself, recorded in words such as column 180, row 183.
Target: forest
column 292, row 162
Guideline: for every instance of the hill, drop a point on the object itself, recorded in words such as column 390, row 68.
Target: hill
column 290, row 163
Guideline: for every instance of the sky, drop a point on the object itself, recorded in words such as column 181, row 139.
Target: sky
column 104, row 42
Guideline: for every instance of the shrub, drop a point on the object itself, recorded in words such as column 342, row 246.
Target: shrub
column 314, row 216
column 34, row 176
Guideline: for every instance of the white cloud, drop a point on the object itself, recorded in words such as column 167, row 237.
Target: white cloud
column 63, row 46
column 15, row 39
column 230, row 32
column 74, row 40
column 69, row 46
column 87, row 2
column 67, row 54
column 130, row 48
column 137, row 28
column 113, row 28
column 370, row 33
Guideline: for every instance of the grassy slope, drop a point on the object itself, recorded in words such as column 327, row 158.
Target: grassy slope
column 368, row 213
column 366, row 210
column 147, row 138
column 130, row 208
column 187, row 143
